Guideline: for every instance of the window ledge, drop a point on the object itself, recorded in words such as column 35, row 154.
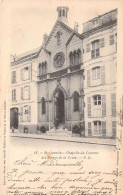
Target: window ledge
column 14, row 100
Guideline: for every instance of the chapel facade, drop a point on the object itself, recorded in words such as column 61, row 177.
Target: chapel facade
column 69, row 83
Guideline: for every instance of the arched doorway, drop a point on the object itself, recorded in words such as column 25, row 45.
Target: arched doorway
column 14, row 118
column 59, row 111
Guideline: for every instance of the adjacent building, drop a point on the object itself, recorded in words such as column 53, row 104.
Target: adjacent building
column 70, row 81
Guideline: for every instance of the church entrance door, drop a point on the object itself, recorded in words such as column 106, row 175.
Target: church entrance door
column 59, row 107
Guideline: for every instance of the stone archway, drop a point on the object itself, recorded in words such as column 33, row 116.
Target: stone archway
column 59, row 107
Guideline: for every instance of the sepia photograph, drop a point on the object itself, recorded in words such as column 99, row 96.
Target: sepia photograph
column 63, row 98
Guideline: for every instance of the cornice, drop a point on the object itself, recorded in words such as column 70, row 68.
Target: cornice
column 99, row 28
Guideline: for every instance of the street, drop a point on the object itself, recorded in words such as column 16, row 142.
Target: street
column 30, row 143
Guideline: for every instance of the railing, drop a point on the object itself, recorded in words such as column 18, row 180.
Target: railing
column 42, row 77
column 60, row 72
column 75, row 67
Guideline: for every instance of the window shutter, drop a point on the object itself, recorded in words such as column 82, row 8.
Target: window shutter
column 111, row 39
column 88, row 47
column 29, row 92
column 14, row 94
column 15, row 76
column 102, row 74
column 113, row 104
column 88, row 78
column 103, row 128
column 102, row 43
column 21, row 93
column 29, row 113
column 103, row 105
column 89, row 106
column 21, row 114
column 11, row 77
column 21, row 74
column 89, row 128
column 114, row 128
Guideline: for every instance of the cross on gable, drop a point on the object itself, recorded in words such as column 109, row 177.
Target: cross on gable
column 58, row 36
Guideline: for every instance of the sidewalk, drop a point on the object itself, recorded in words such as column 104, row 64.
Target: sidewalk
column 99, row 141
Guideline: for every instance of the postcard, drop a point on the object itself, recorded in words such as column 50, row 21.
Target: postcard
column 61, row 97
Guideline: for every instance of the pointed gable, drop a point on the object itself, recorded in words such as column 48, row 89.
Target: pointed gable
column 44, row 54
column 58, row 36
column 43, row 49
column 73, row 38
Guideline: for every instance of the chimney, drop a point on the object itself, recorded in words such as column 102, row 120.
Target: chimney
column 76, row 26
column 45, row 38
column 62, row 14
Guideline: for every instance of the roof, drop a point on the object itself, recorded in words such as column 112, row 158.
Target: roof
column 74, row 33
column 52, row 31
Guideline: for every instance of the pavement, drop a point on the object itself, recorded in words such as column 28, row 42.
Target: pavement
column 69, row 138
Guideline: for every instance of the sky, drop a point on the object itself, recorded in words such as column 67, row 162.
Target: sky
column 23, row 23
column 28, row 20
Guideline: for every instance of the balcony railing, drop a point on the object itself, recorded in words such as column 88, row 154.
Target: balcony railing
column 60, row 72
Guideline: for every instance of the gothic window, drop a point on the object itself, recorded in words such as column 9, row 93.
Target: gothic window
column 95, row 52
column 43, row 68
column 40, row 69
column 58, row 36
column 43, row 106
column 79, row 56
column 63, row 12
column 76, row 102
column 60, row 13
column 75, row 57
column 71, row 58
column 97, row 100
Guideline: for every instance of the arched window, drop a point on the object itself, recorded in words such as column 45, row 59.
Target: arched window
column 63, row 12
column 43, row 106
column 76, row 102
column 71, row 58
column 60, row 13
column 45, row 68
column 79, row 56
column 40, row 69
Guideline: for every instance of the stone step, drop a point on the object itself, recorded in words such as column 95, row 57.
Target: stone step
column 59, row 132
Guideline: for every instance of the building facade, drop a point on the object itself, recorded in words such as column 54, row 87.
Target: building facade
column 70, row 81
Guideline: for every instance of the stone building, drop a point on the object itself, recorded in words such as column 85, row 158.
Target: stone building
column 69, row 83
